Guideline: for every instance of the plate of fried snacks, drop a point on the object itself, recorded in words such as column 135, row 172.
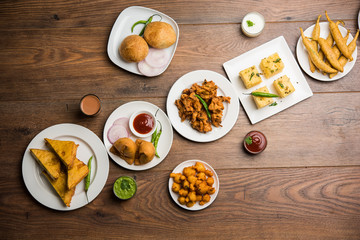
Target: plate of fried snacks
column 133, row 152
column 333, row 57
column 202, row 106
column 194, row 185
column 143, row 41
column 267, row 79
column 56, row 168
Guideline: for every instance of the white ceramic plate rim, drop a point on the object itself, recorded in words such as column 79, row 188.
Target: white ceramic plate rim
column 165, row 140
column 230, row 113
column 302, row 54
column 178, row 169
column 89, row 145
column 291, row 69
column 122, row 29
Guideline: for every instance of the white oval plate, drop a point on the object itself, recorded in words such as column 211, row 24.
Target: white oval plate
column 122, row 29
column 302, row 55
column 165, row 140
column 230, row 112
column 178, row 169
column 89, row 145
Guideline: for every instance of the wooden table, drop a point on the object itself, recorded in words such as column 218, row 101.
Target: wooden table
column 305, row 185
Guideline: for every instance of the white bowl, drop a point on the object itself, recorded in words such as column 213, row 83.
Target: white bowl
column 131, row 124
column 258, row 22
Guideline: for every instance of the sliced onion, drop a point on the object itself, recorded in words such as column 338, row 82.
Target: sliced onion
column 149, row 71
column 117, row 131
column 157, row 58
column 121, row 121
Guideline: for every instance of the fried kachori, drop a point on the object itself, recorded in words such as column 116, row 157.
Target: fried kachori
column 133, row 48
column 159, row 35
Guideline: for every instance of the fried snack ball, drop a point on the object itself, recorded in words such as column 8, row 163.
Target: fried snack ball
column 192, row 179
column 203, row 188
column 159, row 35
column 206, row 198
column 201, row 176
column 176, row 187
column 192, row 196
column 133, row 48
column 210, row 181
column 181, row 200
column 183, row 192
column 178, row 177
column 200, row 167
column 189, row 171
column 208, row 173
column 190, row 204
column 186, row 184
column 211, row 190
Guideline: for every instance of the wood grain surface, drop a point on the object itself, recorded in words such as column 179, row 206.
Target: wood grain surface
column 305, row 185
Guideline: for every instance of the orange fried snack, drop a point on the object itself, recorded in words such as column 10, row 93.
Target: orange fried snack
column 194, row 184
column 60, row 187
column 191, row 108
column 65, row 150
column 77, row 173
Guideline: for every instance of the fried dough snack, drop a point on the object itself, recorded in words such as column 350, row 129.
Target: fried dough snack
column 194, row 184
column 192, row 109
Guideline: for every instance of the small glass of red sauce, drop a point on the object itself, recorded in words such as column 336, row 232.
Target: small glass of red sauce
column 142, row 124
column 255, row 142
column 90, row 105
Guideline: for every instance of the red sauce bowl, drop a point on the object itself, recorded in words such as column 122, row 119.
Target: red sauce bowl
column 142, row 123
column 255, row 142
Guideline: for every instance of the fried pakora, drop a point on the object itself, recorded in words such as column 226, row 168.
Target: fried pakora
column 194, row 184
column 191, row 108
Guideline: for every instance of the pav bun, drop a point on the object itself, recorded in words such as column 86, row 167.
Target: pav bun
column 159, row 35
column 133, row 49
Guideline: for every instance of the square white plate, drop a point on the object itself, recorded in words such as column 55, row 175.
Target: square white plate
column 291, row 69
column 122, row 29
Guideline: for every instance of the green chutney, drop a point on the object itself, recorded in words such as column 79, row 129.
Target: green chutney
column 124, row 187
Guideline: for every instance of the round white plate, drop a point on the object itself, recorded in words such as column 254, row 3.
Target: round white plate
column 122, row 29
column 302, row 55
column 89, row 145
column 230, row 112
column 165, row 140
column 178, row 169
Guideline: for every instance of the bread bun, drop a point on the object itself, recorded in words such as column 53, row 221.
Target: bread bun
column 159, row 35
column 133, row 48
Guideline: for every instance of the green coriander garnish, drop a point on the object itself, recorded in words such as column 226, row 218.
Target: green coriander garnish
column 248, row 140
column 273, row 104
column 250, row 23
column 277, row 60
column 281, row 85
column 252, row 74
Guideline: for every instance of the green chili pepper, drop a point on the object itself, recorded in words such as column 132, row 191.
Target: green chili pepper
column 138, row 22
column 153, row 136
column 87, row 179
column 155, row 139
column 205, row 105
column 144, row 22
column 262, row 94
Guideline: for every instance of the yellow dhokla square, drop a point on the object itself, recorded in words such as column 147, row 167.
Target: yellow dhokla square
column 271, row 65
column 262, row 101
column 283, row 86
column 250, row 77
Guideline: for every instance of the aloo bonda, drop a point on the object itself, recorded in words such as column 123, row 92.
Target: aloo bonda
column 133, row 48
column 159, row 35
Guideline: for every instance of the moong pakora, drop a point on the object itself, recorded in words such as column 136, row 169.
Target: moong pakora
column 194, row 184
column 190, row 106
